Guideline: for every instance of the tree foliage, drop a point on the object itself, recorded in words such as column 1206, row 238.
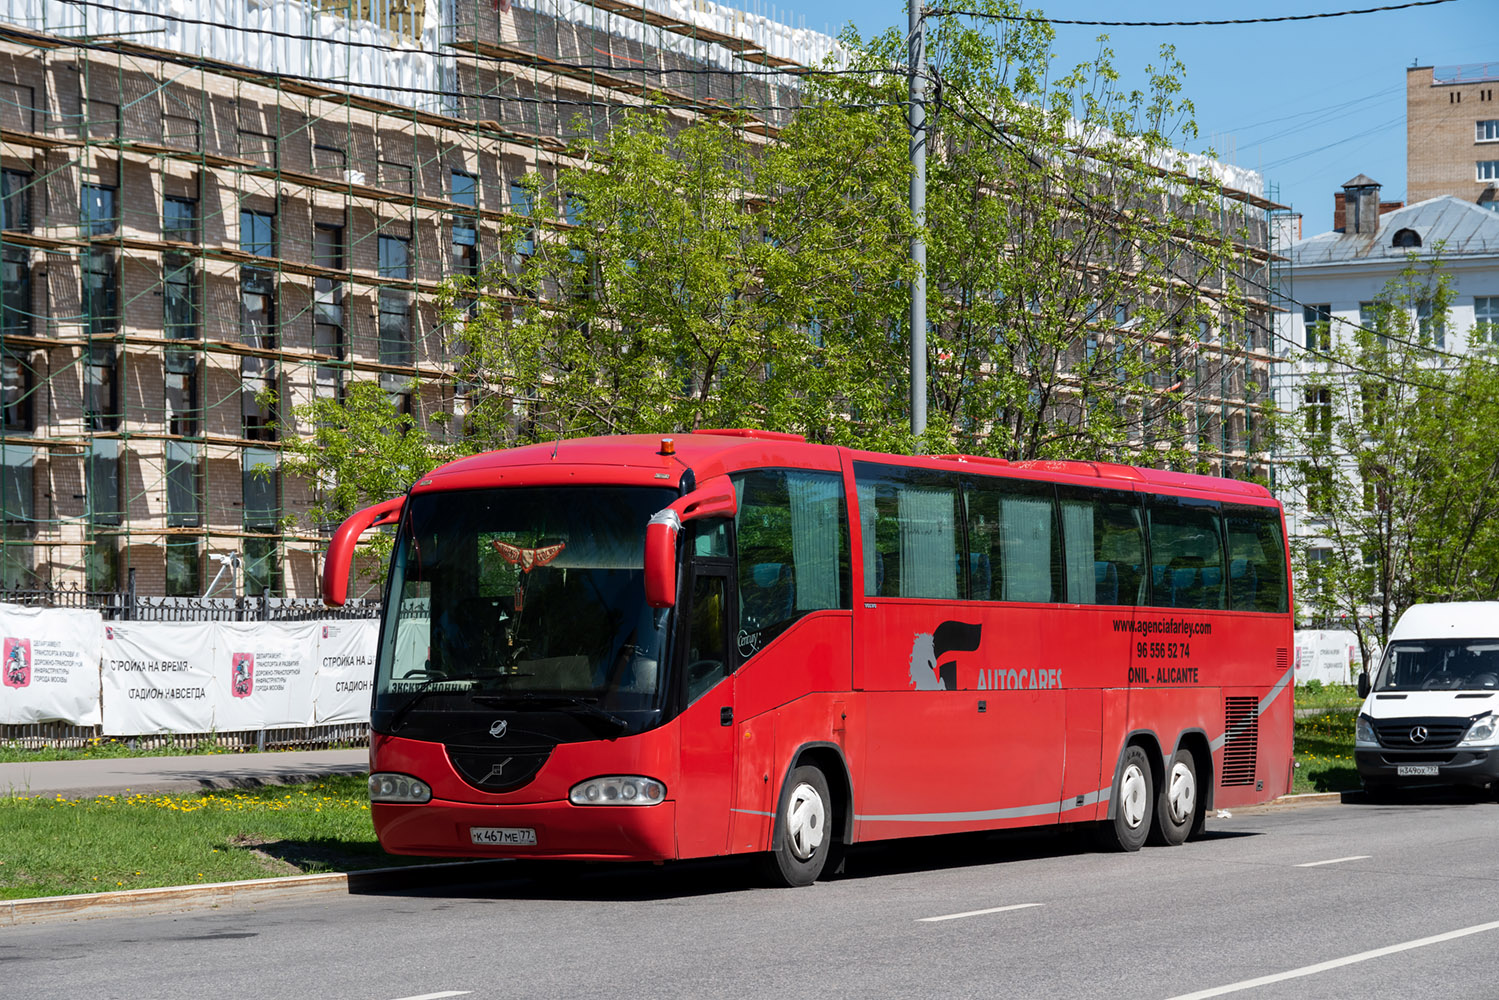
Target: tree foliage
column 1392, row 450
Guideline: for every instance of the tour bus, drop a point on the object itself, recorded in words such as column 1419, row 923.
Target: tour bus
column 734, row 642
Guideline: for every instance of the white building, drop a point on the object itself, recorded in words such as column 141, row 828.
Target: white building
column 1335, row 278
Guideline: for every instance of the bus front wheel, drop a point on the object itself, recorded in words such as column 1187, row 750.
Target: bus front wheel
column 801, row 839
column 1134, row 801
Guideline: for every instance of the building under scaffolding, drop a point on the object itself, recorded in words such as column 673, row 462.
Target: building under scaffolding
column 217, row 211
column 211, row 206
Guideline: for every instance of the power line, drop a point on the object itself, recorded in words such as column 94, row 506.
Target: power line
column 1039, row 19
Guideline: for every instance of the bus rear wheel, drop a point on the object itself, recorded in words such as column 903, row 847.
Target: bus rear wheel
column 801, row 840
column 1133, row 799
column 1176, row 805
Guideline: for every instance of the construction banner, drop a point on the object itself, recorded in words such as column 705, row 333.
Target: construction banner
column 157, row 677
column 49, row 665
column 346, row 671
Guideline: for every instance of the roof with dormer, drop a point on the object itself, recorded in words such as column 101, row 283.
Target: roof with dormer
column 1459, row 228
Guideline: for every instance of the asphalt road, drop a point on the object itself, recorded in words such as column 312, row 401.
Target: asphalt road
column 191, row 773
column 1262, row 895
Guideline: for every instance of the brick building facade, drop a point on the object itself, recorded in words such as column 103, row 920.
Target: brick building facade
column 1452, row 133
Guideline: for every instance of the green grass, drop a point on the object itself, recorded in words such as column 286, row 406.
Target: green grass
column 1330, row 696
column 11, row 752
column 56, row 847
column 1324, row 749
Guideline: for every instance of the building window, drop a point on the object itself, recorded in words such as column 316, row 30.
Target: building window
column 520, row 204
column 257, row 233
column 1431, row 328
column 1488, row 170
column 262, row 566
column 1406, row 239
column 328, row 302
column 1319, row 413
column 464, row 189
column 15, row 292
column 179, row 219
column 329, row 161
column 17, row 387
column 17, row 483
column 180, row 297
column 1486, row 318
column 1318, row 320
column 394, row 176
column 182, row 567
column 97, row 213
column 465, row 244
column 100, row 399
column 261, row 482
column 1487, row 131
column 15, row 201
column 184, row 509
column 181, row 390
column 101, row 300
column 258, row 399
column 257, row 147
column 101, row 565
column 257, row 307
column 102, row 489
column 396, row 347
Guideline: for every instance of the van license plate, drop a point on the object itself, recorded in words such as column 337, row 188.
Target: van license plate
column 503, row 836
column 1410, row 771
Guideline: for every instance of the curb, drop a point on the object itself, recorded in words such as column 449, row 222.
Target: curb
column 251, row 892
column 1292, row 801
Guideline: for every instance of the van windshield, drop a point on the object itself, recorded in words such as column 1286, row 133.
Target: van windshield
column 1440, row 665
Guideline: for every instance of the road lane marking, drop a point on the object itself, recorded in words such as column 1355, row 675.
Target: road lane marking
column 438, row 996
column 1336, row 861
column 976, row 913
column 1337, row 963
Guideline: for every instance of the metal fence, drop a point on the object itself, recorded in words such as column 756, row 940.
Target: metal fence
column 127, row 605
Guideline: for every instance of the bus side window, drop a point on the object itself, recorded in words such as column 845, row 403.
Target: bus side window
column 707, row 645
column 791, row 532
column 1105, row 546
column 1014, row 523
column 1256, row 558
column 1186, row 553
column 909, row 522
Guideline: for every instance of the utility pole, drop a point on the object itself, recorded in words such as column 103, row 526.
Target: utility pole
column 917, row 42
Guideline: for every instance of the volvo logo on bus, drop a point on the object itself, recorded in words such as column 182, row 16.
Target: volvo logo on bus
column 497, row 728
column 1418, row 734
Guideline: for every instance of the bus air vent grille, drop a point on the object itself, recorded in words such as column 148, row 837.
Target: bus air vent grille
column 1282, row 660
column 1241, row 728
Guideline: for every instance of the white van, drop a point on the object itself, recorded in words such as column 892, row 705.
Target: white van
column 1429, row 716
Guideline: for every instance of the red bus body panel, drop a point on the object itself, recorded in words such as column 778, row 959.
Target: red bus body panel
column 1047, row 697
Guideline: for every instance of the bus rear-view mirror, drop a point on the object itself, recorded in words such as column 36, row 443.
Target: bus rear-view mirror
column 714, row 499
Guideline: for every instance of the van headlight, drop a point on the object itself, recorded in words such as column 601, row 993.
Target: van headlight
column 617, row 790
column 1481, row 731
column 1363, row 732
column 387, row 787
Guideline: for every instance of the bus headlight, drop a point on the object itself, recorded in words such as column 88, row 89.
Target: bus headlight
column 398, row 788
column 1481, row 731
column 1363, row 732
column 617, row 790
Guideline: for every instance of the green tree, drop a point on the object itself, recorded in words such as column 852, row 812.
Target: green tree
column 1391, row 448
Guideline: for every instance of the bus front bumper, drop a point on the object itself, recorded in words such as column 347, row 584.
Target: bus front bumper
column 559, row 829
column 1479, row 766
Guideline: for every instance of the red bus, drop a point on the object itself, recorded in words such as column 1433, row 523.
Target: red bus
column 738, row 642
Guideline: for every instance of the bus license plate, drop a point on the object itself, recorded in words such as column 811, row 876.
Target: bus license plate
column 1416, row 770
column 503, row 836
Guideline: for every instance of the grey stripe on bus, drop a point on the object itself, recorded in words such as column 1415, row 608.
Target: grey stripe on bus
column 753, row 812
column 1259, row 710
column 1015, row 812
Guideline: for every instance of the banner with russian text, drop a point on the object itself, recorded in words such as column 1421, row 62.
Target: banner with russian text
column 346, row 671
column 157, row 677
column 49, row 665
column 263, row 674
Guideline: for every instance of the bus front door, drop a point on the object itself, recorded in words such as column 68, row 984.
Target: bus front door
column 704, row 795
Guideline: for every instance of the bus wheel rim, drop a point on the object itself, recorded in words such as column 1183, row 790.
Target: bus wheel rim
column 806, row 821
column 1181, row 793
column 1132, row 796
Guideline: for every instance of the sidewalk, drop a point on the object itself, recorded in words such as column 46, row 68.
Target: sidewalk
column 113, row 776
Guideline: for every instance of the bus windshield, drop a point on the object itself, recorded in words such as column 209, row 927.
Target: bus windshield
column 530, row 596
column 1440, row 665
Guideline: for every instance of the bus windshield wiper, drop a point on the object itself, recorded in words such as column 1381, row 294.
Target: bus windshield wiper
column 421, row 691
column 584, row 707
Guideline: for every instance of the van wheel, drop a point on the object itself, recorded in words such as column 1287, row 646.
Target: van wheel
column 1133, row 799
column 1176, row 805
column 801, row 840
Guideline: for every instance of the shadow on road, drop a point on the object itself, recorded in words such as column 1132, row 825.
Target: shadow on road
column 497, row 881
column 1421, row 795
